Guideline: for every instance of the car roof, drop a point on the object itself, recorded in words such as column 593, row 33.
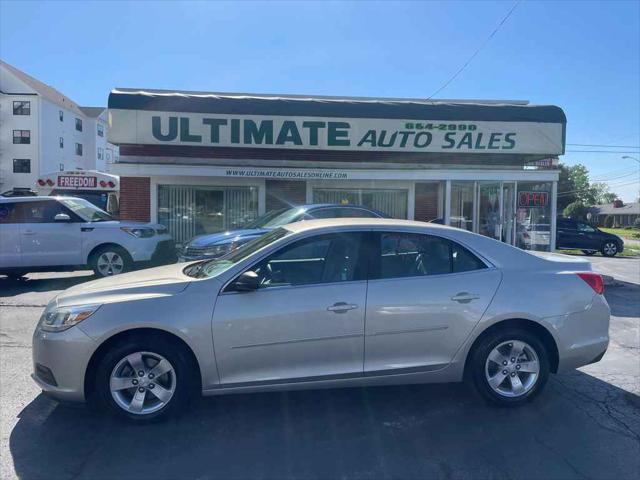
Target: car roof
column 33, row 198
column 364, row 222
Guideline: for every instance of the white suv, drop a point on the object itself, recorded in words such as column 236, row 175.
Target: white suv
column 67, row 233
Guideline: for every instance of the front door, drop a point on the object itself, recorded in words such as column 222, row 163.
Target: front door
column 305, row 322
column 425, row 295
column 45, row 242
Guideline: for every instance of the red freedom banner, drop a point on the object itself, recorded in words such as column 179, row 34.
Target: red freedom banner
column 72, row 181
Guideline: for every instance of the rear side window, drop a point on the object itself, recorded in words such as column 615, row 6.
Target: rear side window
column 415, row 255
column 8, row 213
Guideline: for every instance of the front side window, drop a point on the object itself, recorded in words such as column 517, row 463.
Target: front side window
column 329, row 258
column 78, row 124
column 414, row 255
column 583, row 227
column 79, row 149
column 40, row 211
column 21, row 165
column 22, row 108
column 22, row 136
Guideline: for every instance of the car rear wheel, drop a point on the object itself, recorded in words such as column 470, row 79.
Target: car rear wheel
column 510, row 367
column 111, row 260
column 145, row 380
column 609, row 249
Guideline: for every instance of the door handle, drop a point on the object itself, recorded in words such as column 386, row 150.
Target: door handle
column 28, row 232
column 464, row 297
column 341, row 307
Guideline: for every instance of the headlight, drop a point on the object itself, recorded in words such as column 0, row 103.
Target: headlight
column 218, row 250
column 139, row 232
column 161, row 230
column 60, row 319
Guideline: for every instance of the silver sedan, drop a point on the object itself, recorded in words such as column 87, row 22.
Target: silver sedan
column 326, row 303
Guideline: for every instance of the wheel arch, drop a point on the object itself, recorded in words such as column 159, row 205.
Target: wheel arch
column 145, row 332
column 536, row 328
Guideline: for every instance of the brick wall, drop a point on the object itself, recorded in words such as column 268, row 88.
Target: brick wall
column 135, row 198
column 426, row 207
column 283, row 193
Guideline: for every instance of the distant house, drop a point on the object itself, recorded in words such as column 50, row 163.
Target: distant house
column 616, row 214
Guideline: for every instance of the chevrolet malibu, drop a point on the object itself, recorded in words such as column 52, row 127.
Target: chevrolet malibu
column 319, row 304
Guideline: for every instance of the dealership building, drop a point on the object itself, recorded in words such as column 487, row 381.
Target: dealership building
column 202, row 162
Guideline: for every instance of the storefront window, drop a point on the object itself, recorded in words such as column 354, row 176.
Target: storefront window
column 489, row 223
column 392, row 202
column 188, row 211
column 533, row 216
column 462, row 205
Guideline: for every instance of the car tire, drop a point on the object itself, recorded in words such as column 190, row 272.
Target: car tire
column 488, row 369
column 609, row 249
column 150, row 398
column 589, row 252
column 110, row 260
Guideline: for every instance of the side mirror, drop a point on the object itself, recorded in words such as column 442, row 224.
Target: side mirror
column 247, row 282
column 62, row 217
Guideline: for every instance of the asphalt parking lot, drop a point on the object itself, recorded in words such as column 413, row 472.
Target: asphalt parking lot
column 586, row 424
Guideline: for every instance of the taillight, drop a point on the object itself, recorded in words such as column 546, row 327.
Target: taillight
column 103, row 184
column 594, row 280
column 41, row 182
column 50, row 182
column 111, row 184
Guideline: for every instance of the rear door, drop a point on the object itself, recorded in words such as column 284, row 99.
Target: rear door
column 567, row 236
column 10, row 255
column 45, row 241
column 425, row 295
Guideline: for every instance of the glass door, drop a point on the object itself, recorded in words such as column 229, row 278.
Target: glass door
column 489, row 211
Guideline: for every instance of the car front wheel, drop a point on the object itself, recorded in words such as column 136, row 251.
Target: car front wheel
column 609, row 249
column 111, row 260
column 145, row 380
column 510, row 367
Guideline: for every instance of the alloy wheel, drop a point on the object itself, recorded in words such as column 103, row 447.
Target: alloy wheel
column 142, row 383
column 512, row 368
column 110, row 263
column 610, row 248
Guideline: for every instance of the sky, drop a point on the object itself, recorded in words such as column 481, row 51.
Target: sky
column 581, row 56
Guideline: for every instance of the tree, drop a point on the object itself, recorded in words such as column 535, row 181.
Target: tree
column 576, row 210
column 574, row 186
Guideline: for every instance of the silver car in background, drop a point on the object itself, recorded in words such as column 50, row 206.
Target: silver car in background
column 325, row 303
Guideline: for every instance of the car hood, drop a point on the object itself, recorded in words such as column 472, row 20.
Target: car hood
column 149, row 283
column 124, row 223
column 226, row 237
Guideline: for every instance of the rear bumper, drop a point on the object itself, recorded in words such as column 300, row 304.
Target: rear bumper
column 582, row 337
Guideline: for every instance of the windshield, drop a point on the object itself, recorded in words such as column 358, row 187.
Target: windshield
column 287, row 216
column 87, row 211
column 264, row 219
column 212, row 268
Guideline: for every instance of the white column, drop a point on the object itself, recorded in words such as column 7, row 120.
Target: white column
column 554, row 214
column 447, row 202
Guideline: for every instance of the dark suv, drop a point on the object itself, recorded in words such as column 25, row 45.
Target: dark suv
column 574, row 234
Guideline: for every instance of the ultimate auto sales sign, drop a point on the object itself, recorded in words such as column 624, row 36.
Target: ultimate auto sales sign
column 353, row 134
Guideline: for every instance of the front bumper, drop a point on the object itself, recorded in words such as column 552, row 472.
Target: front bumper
column 60, row 360
column 164, row 253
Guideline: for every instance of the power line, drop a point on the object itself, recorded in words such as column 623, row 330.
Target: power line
column 446, row 84
column 602, row 146
column 616, row 152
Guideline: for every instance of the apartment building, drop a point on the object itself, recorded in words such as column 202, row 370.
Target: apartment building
column 44, row 131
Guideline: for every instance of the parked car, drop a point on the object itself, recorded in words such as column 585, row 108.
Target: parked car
column 535, row 236
column 217, row 244
column 287, row 311
column 68, row 233
column 576, row 235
